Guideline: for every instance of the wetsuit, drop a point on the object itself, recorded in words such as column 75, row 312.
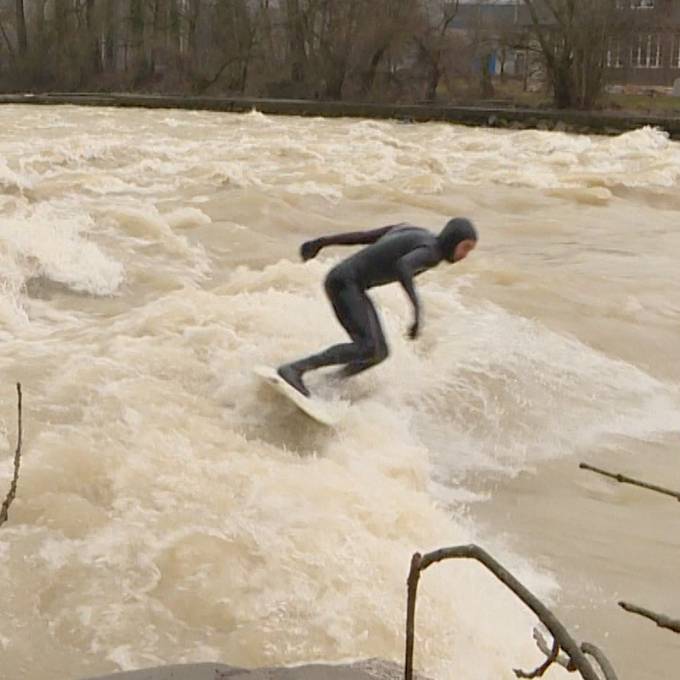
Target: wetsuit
column 396, row 253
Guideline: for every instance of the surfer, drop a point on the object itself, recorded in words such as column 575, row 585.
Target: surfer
column 394, row 253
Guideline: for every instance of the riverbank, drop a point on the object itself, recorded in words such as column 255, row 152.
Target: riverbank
column 585, row 122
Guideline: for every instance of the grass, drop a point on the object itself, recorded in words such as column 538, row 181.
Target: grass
column 511, row 94
column 661, row 105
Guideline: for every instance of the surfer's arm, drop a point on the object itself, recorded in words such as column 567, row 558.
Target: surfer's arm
column 407, row 267
column 310, row 249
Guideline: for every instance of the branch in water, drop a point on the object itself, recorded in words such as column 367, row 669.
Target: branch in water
column 601, row 659
column 17, row 461
column 540, row 671
column 561, row 659
column 586, row 648
column 629, row 480
column 577, row 658
column 660, row 619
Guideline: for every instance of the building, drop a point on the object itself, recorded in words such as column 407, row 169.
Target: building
column 490, row 28
column 646, row 51
column 643, row 50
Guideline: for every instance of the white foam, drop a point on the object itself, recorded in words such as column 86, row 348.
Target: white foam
column 186, row 218
column 57, row 248
column 193, row 510
column 10, row 180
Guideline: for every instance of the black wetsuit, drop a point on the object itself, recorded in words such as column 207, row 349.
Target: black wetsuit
column 397, row 253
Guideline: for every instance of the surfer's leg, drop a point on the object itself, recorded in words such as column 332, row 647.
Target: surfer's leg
column 357, row 315
column 381, row 350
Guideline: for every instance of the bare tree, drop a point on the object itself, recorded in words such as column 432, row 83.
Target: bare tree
column 338, row 25
column 323, row 37
column 322, row 48
column 431, row 40
column 484, row 34
column 387, row 31
column 572, row 36
column 233, row 40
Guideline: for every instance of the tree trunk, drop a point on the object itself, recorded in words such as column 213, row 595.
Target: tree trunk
column 239, row 83
column 430, row 58
column 296, row 42
column 335, row 79
column 192, row 34
column 60, row 21
column 39, row 30
column 156, row 40
column 22, row 38
column 8, row 44
column 247, row 32
column 434, row 76
column 368, row 76
column 563, row 86
column 93, row 37
column 174, row 33
column 62, row 43
column 266, row 30
column 573, row 42
column 110, row 36
column 136, row 40
column 334, row 50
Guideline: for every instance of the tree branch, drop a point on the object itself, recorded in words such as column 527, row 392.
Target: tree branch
column 413, row 578
column 203, row 85
column 629, row 480
column 540, row 671
column 8, row 42
column 557, row 630
column 449, row 16
column 4, row 511
column 547, row 50
column 601, row 659
column 660, row 619
column 561, row 659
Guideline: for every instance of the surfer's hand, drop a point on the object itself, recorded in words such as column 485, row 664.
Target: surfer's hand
column 414, row 331
column 310, row 249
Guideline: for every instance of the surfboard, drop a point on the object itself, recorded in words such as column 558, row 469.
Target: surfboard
column 320, row 411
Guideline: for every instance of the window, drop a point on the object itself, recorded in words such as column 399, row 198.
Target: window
column 636, row 53
column 614, row 56
column 646, row 51
column 654, row 51
column 635, row 4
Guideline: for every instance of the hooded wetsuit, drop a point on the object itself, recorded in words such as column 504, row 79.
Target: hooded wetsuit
column 404, row 251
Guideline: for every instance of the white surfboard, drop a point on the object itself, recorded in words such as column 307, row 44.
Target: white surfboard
column 320, row 411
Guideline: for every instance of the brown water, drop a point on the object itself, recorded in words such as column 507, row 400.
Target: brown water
column 172, row 509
